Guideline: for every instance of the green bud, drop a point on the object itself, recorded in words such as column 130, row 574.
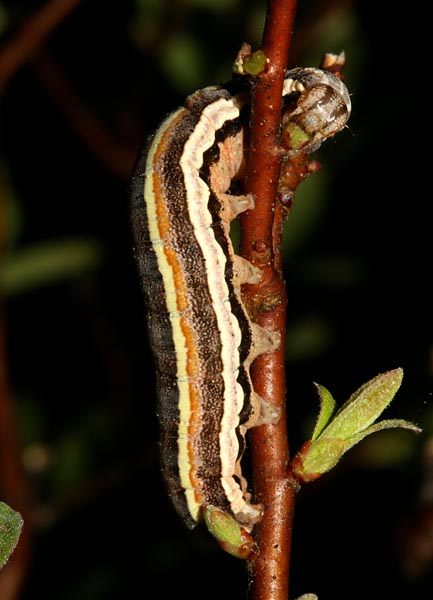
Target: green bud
column 316, row 458
column 255, row 63
column 11, row 524
column 351, row 424
column 232, row 537
column 295, row 137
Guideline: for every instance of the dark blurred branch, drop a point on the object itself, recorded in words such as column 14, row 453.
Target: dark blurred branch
column 26, row 45
column 115, row 157
column 31, row 36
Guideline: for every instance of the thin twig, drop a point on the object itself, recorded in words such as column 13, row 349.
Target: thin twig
column 261, row 244
column 31, row 36
column 25, row 45
column 116, row 157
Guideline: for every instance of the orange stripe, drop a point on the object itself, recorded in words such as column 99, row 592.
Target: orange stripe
column 193, row 366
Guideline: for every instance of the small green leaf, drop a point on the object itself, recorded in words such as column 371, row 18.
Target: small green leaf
column 387, row 424
column 365, row 405
column 11, row 524
column 232, row 537
column 327, row 408
column 308, row 597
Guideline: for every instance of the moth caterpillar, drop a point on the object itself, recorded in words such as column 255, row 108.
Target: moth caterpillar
column 184, row 197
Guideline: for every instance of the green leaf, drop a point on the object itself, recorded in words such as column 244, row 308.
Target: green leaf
column 11, row 524
column 365, row 405
column 387, row 424
column 327, row 408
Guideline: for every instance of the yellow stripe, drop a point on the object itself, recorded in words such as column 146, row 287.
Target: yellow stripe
column 175, row 301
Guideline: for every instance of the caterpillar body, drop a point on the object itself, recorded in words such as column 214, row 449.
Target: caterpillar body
column 184, row 196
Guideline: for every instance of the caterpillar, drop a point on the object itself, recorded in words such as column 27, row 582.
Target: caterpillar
column 185, row 191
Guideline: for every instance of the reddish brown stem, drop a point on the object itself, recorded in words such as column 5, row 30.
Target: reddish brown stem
column 31, row 36
column 261, row 244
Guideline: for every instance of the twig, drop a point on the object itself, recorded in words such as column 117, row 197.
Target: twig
column 26, row 44
column 261, row 244
column 31, row 36
column 117, row 158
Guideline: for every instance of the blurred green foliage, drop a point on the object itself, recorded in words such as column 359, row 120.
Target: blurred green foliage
column 3, row 18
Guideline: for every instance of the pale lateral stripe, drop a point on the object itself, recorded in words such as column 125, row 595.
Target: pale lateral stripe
column 211, row 120
column 178, row 337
